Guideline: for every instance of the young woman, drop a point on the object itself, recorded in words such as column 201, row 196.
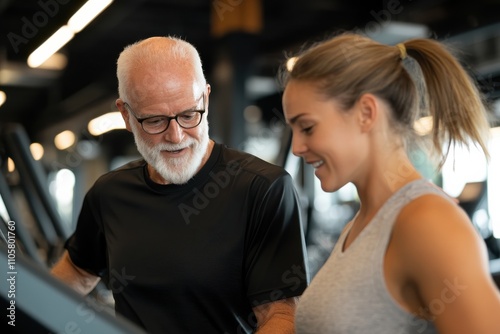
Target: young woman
column 410, row 261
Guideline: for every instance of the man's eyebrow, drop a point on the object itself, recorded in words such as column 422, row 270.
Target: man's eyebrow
column 194, row 108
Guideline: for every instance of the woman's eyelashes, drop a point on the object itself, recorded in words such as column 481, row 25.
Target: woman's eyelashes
column 307, row 129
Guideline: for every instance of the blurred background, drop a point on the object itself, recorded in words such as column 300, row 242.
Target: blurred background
column 60, row 129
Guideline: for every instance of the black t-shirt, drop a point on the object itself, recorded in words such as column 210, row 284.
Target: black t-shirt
column 194, row 258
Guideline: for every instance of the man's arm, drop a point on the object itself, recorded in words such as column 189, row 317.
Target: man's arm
column 77, row 278
column 276, row 317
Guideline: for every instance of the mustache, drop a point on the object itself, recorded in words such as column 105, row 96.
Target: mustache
column 173, row 147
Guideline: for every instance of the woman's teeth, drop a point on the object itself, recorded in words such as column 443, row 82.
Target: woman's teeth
column 317, row 164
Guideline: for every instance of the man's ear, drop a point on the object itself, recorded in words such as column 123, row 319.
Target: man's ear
column 368, row 111
column 126, row 116
column 209, row 90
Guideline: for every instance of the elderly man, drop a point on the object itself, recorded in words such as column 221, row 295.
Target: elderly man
column 195, row 237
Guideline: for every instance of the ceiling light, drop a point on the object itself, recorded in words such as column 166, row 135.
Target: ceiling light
column 57, row 61
column 106, row 123
column 76, row 23
column 87, row 13
column 64, row 140
column 11, row 166
column 50, row 46
column 3, row 97
column 36, row 151
column 423, row 126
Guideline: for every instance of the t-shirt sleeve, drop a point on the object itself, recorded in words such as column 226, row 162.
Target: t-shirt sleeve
column 276, row 266
column 86, row 246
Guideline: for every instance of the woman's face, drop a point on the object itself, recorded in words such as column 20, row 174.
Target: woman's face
column 325, row 136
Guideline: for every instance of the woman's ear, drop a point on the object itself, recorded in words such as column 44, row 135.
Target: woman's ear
column 368, row 109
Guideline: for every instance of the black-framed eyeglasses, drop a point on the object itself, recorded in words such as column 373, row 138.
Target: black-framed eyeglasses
column 157, row 124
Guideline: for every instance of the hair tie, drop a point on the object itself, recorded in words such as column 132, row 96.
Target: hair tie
column 402, row 50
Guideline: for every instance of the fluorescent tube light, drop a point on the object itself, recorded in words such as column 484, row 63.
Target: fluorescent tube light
column 64, row 140
column 87, row 13
column 3, row 97
column 106, row 123
column 50, row 46
column 76, row 23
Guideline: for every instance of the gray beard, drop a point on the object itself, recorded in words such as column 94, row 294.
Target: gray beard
column 175, row 170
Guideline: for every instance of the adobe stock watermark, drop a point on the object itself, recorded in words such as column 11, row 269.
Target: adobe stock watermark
column 260, row 141
column 220, row 180
column 293, row 278
column 85, row 312
column 398, row 177
column 11, row 273
column 380, row 19
column 31, row 26
column 212, row 189
column 437, row 306
column 75, row 155
column 383, row 17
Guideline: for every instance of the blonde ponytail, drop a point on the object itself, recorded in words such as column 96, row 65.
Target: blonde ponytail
column 350, row 65
column 454, row 101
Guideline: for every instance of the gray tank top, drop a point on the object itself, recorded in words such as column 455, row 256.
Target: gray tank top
column 348, row 295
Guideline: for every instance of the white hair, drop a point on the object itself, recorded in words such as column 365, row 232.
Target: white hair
column 155, row 53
